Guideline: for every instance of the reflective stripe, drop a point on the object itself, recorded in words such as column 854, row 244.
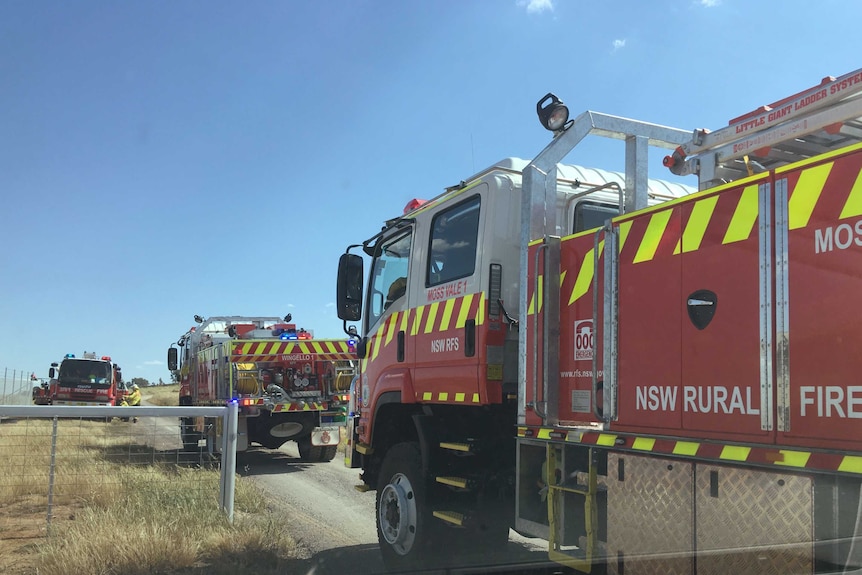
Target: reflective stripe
column 654, row 232
column 806, row 193
column 853, row 206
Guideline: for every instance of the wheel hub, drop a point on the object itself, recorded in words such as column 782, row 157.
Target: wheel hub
column 397, row 515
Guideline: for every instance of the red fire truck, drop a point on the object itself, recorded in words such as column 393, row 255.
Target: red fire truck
column 87, row 380
column 650, row 378
column 289, row 386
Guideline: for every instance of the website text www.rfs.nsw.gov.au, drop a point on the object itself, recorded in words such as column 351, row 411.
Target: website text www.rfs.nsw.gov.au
column 580, row 373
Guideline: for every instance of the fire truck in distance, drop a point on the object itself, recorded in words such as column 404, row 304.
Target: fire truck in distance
column 648, row 377
column 87, row 380
column 289, row 386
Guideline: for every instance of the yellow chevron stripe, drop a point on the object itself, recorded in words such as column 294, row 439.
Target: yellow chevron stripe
column 540, row 295
column 584, row 279
column 853, row 207
column 375, row 343
column 686, row 448
column 793, row 458
column 695, row 228
column 544, row 433
column 654, row 232
column 331, row 347
column 851, row 464
column 459, row 396
column 475, row 398
column 643, row 444
column 735, row 453
column 432, row 315
column 480, row 314
column 464, row 311
column 443, row 396
column 606, row 440
column 317, row 347
column 417, row 321
column 744, row 217
column 805, row 195
column 390, row 326
column 405, row 317
column 447, row 313
column 531, row 308
column 427, row 396
column 624, row 228
column 304, row 347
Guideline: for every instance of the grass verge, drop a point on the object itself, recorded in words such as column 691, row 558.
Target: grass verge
column 115, row 517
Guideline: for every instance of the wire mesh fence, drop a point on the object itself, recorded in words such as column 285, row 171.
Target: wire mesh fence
column 60, row 464
column 16, row 386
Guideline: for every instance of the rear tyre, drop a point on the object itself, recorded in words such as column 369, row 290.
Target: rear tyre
column 406, row 531
column 307, row 451
column 328, row 452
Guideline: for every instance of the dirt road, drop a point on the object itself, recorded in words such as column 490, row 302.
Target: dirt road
column 334, row 523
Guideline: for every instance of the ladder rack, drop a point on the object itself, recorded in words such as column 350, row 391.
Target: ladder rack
column 823, row 118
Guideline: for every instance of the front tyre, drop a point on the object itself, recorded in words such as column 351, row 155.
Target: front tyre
column 405, row 528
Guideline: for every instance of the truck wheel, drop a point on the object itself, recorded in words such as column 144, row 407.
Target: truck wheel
column 307, row 451
column 328, row 452
column 406, row 530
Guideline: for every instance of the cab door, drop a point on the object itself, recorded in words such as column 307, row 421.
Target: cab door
column 444, row 320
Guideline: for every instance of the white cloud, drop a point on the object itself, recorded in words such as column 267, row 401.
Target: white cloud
column 290, row 305
column 330, row 304
column 153, row 362
column 619, row 44
column 710, row 3
column 537, row 6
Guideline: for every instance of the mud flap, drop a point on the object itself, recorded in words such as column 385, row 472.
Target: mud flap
column 323, row 436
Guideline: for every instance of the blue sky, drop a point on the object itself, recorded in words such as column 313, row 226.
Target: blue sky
column 162, row 159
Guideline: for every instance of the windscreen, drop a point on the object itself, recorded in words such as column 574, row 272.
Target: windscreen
column 79, row 372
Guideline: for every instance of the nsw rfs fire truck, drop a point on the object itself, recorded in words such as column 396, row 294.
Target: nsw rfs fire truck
column 650, row 377
column 288, row 385
column 87, row 380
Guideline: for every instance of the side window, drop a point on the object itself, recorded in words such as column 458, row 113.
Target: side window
column 454, row 235
column 388, row 275
column 589, row 215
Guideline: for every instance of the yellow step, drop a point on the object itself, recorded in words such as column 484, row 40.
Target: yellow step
column 362, row 488
column 452, row 517
column 464, row 447
column 459, row 482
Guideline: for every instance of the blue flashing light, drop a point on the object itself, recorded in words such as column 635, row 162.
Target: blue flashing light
column 288, row 335
column 351, row 345
column 69, row 356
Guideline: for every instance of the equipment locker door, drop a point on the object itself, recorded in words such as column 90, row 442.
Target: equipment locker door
column 726, row 326
column 649, row 321
column 819, row 361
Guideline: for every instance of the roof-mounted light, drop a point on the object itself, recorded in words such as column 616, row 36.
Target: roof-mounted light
column 69, row 356
column 199, row 319
column 553, row 114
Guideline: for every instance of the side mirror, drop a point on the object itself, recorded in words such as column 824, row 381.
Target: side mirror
column 51, row 373
column 172, row 358
column 349, row 289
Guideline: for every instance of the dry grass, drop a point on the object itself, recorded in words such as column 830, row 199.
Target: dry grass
column 161, row 394
column 111, row 516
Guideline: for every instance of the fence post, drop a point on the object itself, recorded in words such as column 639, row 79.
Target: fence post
column 228, row 459
column 5, row 373
column 51, row 473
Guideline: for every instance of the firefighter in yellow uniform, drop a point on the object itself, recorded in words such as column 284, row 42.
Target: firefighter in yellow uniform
column 133, row 399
